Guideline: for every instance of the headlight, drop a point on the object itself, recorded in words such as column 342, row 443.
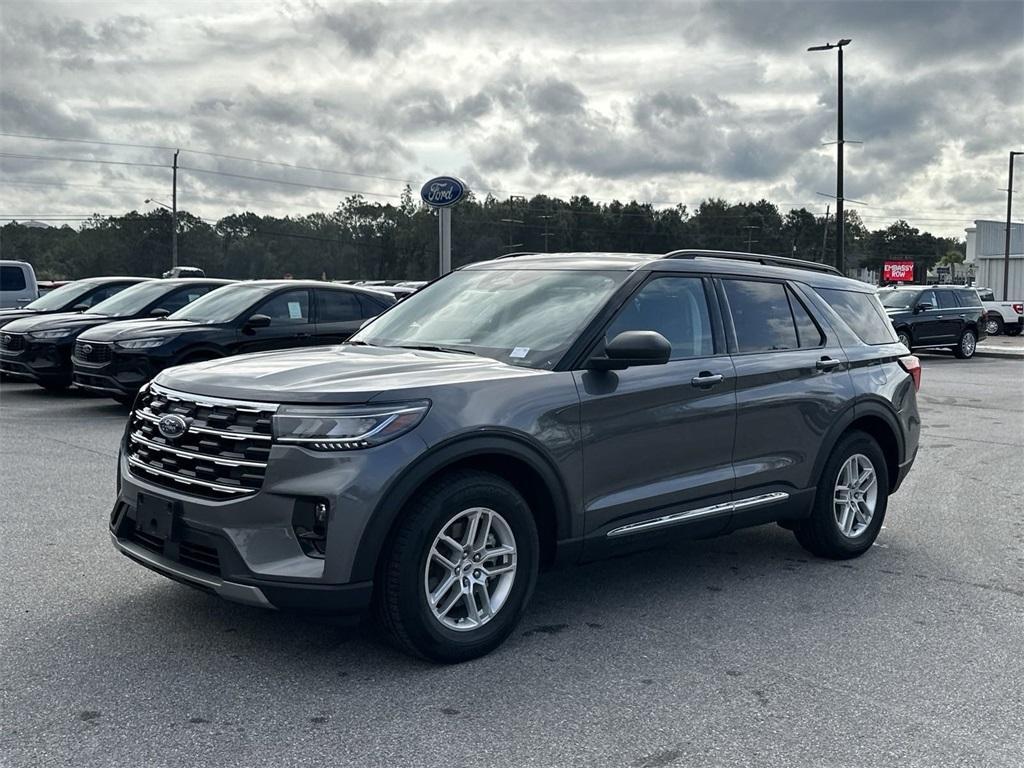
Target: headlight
column 342, row 428
column 55, row 333
column 140, row 343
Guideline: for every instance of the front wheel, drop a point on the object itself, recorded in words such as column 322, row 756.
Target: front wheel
column 904, row 337
column 850, row 504
column 993, row 325
column 457, row 577
column 967, row 346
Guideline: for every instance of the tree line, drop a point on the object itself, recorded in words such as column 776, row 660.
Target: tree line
column 373, row 240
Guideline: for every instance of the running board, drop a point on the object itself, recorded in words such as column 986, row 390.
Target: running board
column 714, row 509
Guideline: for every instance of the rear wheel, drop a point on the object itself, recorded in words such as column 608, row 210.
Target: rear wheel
column 993, row 325
column 458, row 575
column 967, row 346
column 904, row 337
column 850, row 505
column 1013, row 330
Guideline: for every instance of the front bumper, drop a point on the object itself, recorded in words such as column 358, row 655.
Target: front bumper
column 123, row 374
column 39, row 361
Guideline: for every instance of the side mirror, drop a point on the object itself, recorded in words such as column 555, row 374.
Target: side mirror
column 258, row 321
column 159, row 312
column 924, row 306
column 631, row 348
column 79, row 307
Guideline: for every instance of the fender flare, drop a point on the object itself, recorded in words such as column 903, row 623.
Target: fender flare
column 858, row 410
column 214, row 351
column 446, row 454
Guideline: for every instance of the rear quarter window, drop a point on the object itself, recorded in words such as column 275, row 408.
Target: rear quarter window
column 967, row 297
column 862, row 312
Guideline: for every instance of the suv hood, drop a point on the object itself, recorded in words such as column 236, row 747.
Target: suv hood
column 136, row 329
column 77, row 320
column 329, row 375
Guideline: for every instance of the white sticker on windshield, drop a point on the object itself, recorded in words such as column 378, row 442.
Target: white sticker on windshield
column 519, row 352
column 295, row 310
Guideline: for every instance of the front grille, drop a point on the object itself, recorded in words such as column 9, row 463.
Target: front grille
column 198, row 556
column 221, row 455
column 93, row 353
column 11, row 343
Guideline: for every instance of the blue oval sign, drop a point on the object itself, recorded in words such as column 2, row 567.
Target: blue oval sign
column 443, row 191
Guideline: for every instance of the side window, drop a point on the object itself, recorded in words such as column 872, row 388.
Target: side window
column 337, row 307
column 101, row 294
column 807, row 331
column 288, row 308
column 675, row 307
column 967, row 297
column 369, row 307
column 986, row 296
column 12, row 279
column 927, row 297
column 761, row 315
column 946, row 300
column 175, row 301
column 862, row 312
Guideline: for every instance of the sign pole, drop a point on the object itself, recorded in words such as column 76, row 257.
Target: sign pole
column 444, row 239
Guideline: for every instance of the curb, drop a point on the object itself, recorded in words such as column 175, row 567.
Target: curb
column 1009, row 354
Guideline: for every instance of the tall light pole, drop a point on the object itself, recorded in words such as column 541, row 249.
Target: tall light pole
column 174, row 197
column 840, row 238
column 1009, row 210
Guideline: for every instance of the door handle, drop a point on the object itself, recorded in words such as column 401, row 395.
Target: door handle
column 706, row 379
column 303, row 335
column 826, row 364
column 940, row 317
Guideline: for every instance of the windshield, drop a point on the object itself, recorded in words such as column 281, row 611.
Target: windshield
column 132, row 300
column 65, row 296
column 523, row 317
column 222, row 305
column 893, row 299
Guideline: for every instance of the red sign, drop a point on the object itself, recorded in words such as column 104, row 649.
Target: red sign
column 898, row 272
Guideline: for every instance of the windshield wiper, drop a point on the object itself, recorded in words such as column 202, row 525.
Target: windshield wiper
column 434, row 348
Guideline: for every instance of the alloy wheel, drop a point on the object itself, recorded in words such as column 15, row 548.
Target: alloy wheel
column 991, row 327
column 856, row 495
column 470, row 569
column 968, row 344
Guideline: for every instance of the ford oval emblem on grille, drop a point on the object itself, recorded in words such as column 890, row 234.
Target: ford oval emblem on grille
column 87, row 349
column 7, row 338
column 172, row 426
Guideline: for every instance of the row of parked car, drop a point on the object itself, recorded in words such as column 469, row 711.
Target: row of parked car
column 113, row 334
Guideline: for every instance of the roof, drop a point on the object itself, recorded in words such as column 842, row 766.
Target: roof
column 687, row 260
column 289, row 283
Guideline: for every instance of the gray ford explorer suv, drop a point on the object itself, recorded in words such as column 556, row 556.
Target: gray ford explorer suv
column 517, row 413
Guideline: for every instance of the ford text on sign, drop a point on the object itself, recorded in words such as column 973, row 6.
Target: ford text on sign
column 443, row 191
column 898, row 271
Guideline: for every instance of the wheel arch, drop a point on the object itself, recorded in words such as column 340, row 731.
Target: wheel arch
column 512, row 458
column 875, row 419
column 199, row 353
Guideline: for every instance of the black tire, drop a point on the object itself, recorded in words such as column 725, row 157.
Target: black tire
column 993, row 325
column 124, row 399
column 820, row 533
column 905, row 338
column 401, row 601
column 966, row 345
column 1013, row 330
column 55, row 385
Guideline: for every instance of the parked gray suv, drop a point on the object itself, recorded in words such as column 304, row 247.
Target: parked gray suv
column 515, row 414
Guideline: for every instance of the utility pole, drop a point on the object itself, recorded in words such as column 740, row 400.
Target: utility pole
column 1009, row 210
column 840, row 218
column 824, row 235
column 512, row 221
column 546, row 233
column 750, row 234
column 174, row 211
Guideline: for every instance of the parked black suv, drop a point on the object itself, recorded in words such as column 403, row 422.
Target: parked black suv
column 70, row 297
column 254, row 316
column 517, row 413
column 936, row 316
column 39, row 348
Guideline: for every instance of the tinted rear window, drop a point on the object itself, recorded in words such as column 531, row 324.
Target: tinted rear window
column 968, row 297
column 12, row 279
column 862, row 312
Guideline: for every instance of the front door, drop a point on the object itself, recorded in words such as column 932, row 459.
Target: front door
column 290, row 323
column 657, row 440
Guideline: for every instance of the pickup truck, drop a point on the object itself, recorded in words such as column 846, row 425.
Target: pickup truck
column 1001, row 316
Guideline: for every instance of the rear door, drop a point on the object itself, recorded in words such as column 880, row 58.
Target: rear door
column 792, row 381
column 657, row 440
column 949, row 318
column 339, row 314
column 290, row 322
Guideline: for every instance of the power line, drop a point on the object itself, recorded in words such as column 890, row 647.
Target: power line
column 81, row 160
column 288, row 183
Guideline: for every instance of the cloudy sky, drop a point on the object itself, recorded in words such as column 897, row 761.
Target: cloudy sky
column 659, row 101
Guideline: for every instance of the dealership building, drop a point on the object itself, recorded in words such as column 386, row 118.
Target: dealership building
column 986, row 249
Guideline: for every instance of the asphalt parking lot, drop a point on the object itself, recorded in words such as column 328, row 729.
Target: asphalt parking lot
column 740, row 651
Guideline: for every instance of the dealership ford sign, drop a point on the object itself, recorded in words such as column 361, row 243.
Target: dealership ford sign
column 443, row 191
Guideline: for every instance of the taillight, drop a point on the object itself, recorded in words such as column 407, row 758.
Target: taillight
column 1019, row 309
column 912, row 365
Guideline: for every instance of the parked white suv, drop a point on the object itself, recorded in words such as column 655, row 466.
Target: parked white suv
column 17, row 284
column 1001, row 316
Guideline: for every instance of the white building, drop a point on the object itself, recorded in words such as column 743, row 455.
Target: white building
column 986, row 247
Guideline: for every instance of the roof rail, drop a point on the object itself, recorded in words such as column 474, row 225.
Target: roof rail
column 760, row 258
column 516, row 253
